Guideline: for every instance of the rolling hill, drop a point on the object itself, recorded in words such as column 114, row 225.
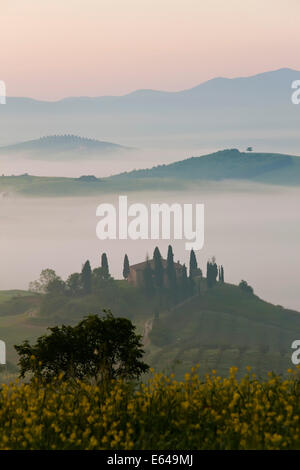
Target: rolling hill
column 60, row 147
column 222, row 327
column 225, row 165
column 230, row 164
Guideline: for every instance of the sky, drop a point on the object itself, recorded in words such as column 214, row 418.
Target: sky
column 52, row 49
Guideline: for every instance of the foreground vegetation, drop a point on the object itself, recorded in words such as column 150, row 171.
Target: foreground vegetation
column 185, row 320
column 162, row 414
column 221, row 327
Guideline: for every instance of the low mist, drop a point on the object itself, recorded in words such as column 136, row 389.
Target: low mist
column 253, row 230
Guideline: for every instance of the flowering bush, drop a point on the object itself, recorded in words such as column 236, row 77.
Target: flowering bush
column 213, row 413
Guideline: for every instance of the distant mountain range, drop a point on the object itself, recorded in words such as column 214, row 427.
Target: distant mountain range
column 221, row 112
column 225, row 165
column 60, row 147
column 269, row 87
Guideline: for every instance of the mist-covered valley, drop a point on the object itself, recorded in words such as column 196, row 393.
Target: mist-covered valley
column 149, row 228
column 252, row 229
column 157, row 126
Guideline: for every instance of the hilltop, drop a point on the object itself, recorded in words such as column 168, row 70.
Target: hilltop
column 225, row 165
column 61, row 147
column 229, row 164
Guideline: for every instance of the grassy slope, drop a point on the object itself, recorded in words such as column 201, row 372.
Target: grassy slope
column 26, row 316
column 9, row 294
column 15, row 328
column 231, row 164
column 47, row 186
column 43, row 186
column 222, row 328
column 226, row 164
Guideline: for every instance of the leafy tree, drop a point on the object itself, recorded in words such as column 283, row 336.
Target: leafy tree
column 86, row 278
column 244, row 286
column 102, row 348
column 158, row 269
column 41, row 285
column 56, row 287
column 104, row 265
column 74, row 284
column 126, row 269
column 100, row 278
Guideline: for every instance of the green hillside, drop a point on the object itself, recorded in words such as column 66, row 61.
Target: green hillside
column 221, row 328
column 17, row 309
column 25, row 315
column 47, row 186
column 228, row 164
column 225, row 165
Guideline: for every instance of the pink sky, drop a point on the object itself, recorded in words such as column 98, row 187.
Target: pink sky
column 56, row 48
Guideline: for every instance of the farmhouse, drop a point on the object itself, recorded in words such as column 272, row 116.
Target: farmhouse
column 136, row 271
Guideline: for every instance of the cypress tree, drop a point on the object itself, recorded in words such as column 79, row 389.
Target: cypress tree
column 222, row 274
column 170, row 266
column 207, row 272
column 86, row 278
column 170, row 259
column 171, row 274
column 214, row 271
column 193, row 264
column 185, row 284
column 158, row 269
column 211, row 272
column 209, row 277
column 104, row 266
column 126, row 269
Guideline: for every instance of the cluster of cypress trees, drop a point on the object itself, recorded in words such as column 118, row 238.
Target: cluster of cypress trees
column 88, row 276
column 164, row 280
column 214, row 273
column 178, row 283
column 159, row 279
column 170, row 280
column 221, row 274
